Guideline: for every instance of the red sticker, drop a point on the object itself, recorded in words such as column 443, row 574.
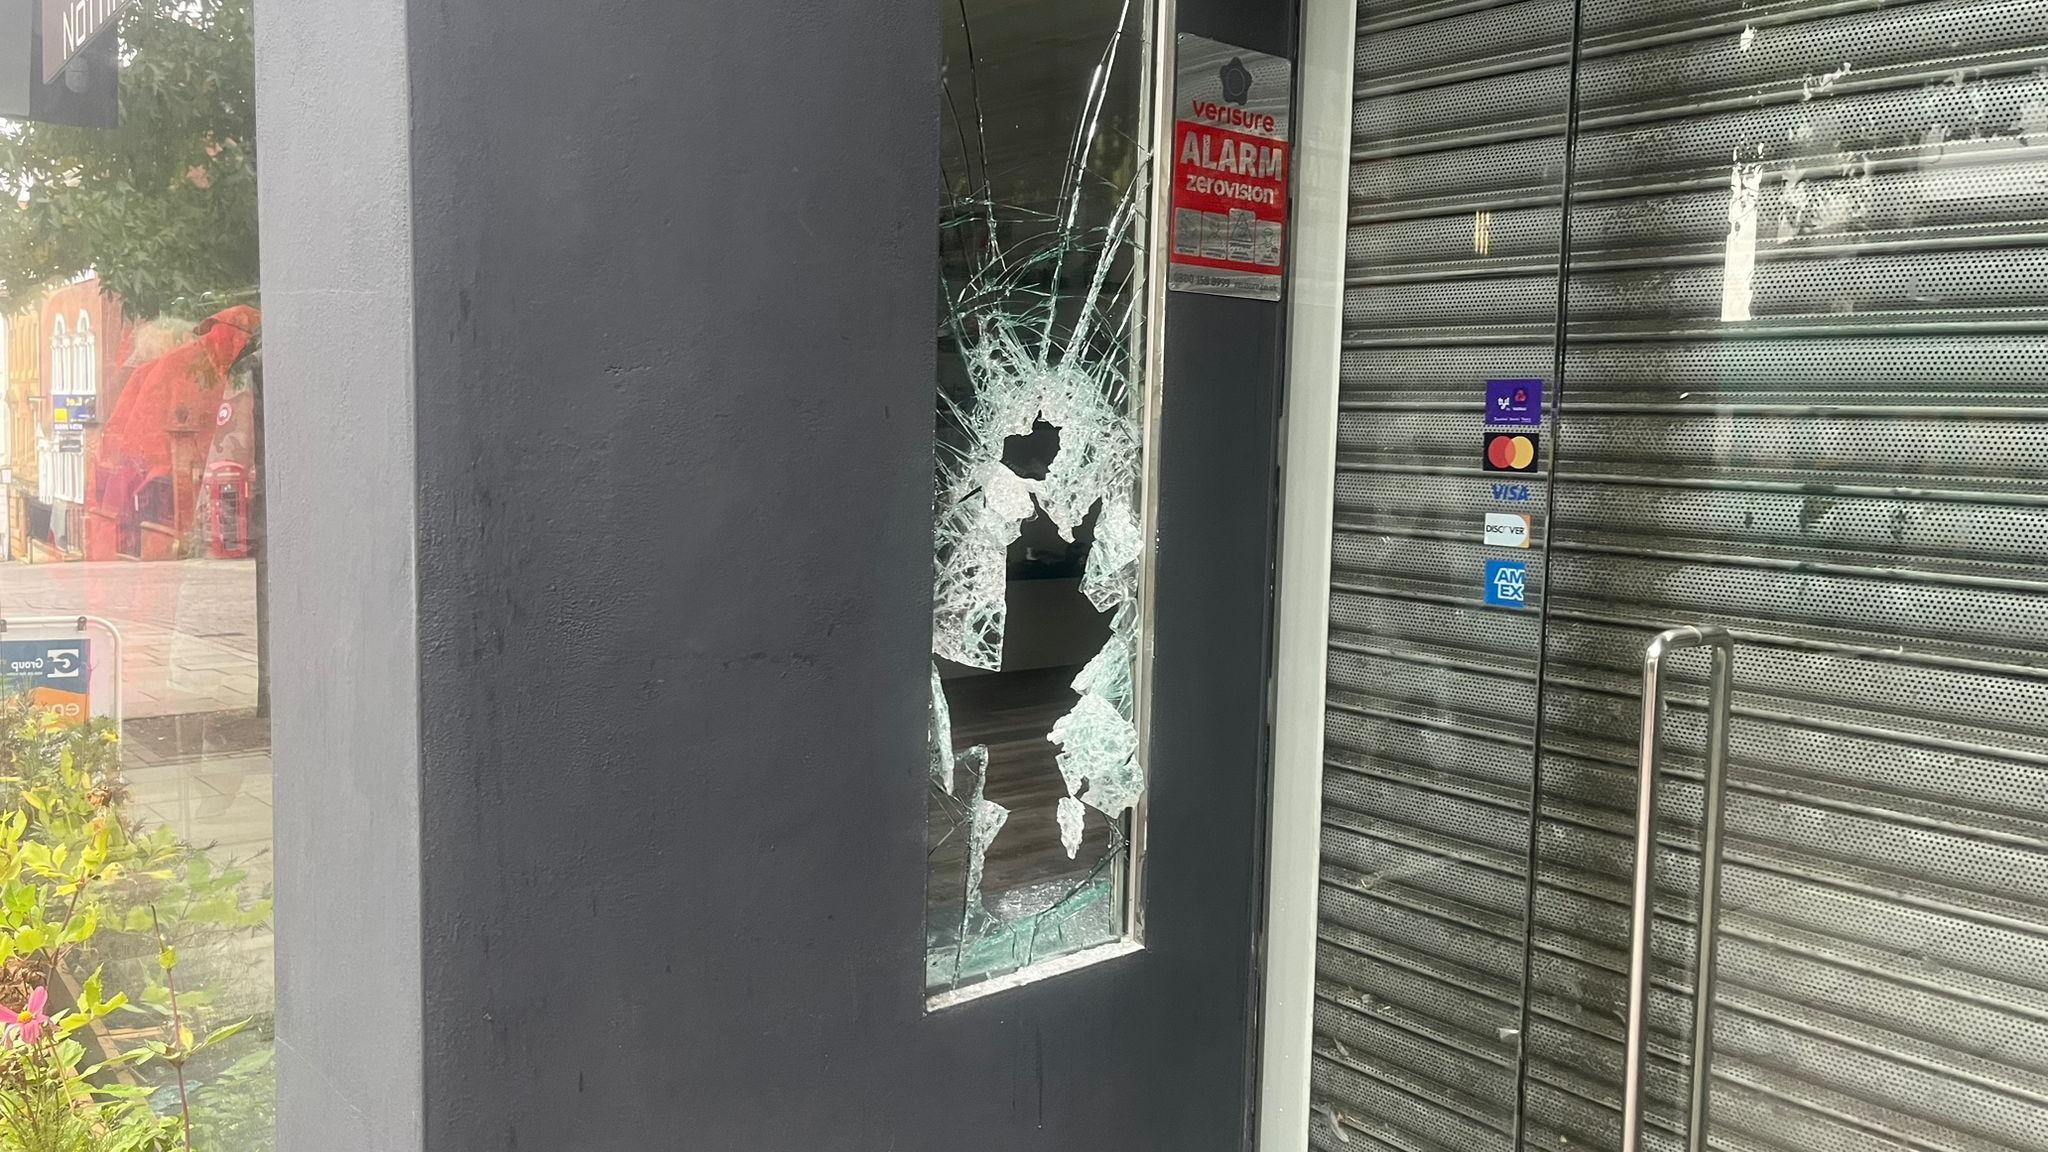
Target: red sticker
column 1228, row 227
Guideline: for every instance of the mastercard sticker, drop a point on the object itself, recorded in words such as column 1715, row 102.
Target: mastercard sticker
column 1510, row 452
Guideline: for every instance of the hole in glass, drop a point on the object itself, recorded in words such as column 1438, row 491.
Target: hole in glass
column 1038, row 488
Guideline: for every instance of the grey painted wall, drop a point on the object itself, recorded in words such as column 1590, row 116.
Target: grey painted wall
column 675, row 282
column 337, row 279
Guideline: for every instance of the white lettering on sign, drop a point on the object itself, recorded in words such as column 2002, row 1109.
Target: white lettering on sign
column 69, row 25
column 1231, row 116
column 1231, row 189
column 1507, row 530
column 56, row 664
column 84, row 17
column 1239, row 158
column 1228, row 225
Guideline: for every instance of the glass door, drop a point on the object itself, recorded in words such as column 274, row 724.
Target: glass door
column 1802, row 418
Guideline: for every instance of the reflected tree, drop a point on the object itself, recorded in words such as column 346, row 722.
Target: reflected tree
column 162, row 207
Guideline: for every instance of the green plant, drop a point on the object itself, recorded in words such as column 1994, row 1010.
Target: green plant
column 49, row 1101
column 82, row 882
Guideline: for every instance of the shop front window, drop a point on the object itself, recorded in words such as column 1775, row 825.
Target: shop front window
column 136, row 1003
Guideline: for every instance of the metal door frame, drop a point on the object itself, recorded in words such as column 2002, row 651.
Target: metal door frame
column 1308, row 458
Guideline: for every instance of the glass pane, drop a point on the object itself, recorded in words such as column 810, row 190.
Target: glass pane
column 1804, row 400
column 135, row 826
column 1040, row 535
column 1450, row 321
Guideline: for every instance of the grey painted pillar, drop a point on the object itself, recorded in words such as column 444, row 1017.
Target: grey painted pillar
column 333, row 124
column 600, row 342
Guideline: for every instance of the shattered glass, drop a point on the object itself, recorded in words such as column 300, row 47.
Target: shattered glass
column 1039, row 536
column 941, row 736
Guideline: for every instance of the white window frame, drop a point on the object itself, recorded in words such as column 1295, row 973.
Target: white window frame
column 85, row 371
column 60, row 358
column 46, row 483
column 1322, row 174
column 60, row 476
column 7, row 404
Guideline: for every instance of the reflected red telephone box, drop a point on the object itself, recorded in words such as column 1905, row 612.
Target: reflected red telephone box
column 227, row 515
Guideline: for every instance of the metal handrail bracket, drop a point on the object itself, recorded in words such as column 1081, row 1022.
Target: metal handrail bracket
column 1714, row 796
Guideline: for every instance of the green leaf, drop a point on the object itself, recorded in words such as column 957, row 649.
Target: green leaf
column 82, row 927
column 221, row 1034
column 167, row 959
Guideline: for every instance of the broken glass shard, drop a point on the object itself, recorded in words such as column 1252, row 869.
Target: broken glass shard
column 941, row 735
column 1070, row 821
column 985, row 818
column 1112, row 574
column 1042, row 922
column 1109, row 674
column 1099, row 755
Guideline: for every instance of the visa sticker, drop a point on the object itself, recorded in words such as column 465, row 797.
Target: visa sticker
column 1516, row 493
column 1507, row 530
column 1507, row 583
column 1514, row 402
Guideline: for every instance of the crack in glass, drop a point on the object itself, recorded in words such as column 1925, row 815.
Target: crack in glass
column 1038, row 514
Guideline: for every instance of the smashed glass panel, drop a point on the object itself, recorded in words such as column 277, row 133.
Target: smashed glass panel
column 1039, row 534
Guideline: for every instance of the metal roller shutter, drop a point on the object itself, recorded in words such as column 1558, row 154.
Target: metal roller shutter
column 1846, row 465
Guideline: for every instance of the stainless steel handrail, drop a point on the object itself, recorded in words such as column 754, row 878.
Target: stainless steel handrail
column 1714, row 791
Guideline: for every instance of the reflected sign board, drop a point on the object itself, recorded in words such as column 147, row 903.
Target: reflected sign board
column 54, row 674
column 83, row 94
column 70, row 25
column 1230, row 170
column 71, row 413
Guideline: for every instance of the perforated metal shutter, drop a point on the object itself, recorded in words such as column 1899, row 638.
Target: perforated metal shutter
column 1847, row 464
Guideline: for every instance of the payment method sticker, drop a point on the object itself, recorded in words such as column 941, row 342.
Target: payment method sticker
column 1514, row 402
column 1507, row 530
column 1507, row 583
column 1510, row 452
column 54, row 674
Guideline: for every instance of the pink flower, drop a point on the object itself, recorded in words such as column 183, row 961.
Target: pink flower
column 28, row 1024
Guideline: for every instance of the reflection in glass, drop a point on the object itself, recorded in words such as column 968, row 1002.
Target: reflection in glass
column 1039, row 534
column 135, row 823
